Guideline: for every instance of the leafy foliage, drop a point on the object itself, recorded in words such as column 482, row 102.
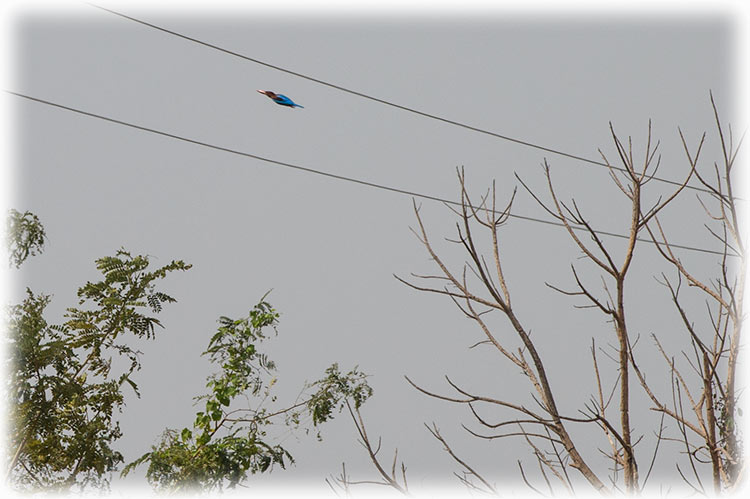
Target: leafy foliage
column 63, row 388
column 25, row 236
column 227, row 442
column 334, row 390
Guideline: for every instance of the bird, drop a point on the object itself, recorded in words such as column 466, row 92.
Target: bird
column 280, row 99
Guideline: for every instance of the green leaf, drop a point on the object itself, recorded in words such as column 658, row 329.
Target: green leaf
column 204, row 438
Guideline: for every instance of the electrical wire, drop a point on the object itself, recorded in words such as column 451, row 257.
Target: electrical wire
column 386, row 102
column 327, row 174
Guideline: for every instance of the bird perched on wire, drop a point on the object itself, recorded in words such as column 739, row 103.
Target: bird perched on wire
column 280, row 99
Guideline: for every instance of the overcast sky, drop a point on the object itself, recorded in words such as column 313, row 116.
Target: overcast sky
column 327, row 247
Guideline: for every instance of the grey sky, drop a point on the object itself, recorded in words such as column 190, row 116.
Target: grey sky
column 329, row 248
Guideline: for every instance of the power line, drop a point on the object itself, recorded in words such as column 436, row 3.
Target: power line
column 325, row 174
column 386, row 102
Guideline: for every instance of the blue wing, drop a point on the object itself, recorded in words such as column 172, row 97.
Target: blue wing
column 285, row 101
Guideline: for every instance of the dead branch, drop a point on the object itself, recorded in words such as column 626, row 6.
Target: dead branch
column 436, row 433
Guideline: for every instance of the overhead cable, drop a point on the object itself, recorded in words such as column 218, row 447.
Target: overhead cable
column 386, row 102
column 328, row 174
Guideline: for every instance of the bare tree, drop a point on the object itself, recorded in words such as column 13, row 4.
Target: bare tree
column 395, row 479
column 709, row 430
column 702, row 406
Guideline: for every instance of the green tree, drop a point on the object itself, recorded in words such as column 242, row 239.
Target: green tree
column 66, row 384
column 25, row 236
column 227, row 440
column 64, row 388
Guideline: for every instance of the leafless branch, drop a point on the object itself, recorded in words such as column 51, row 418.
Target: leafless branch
column 436, row 433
